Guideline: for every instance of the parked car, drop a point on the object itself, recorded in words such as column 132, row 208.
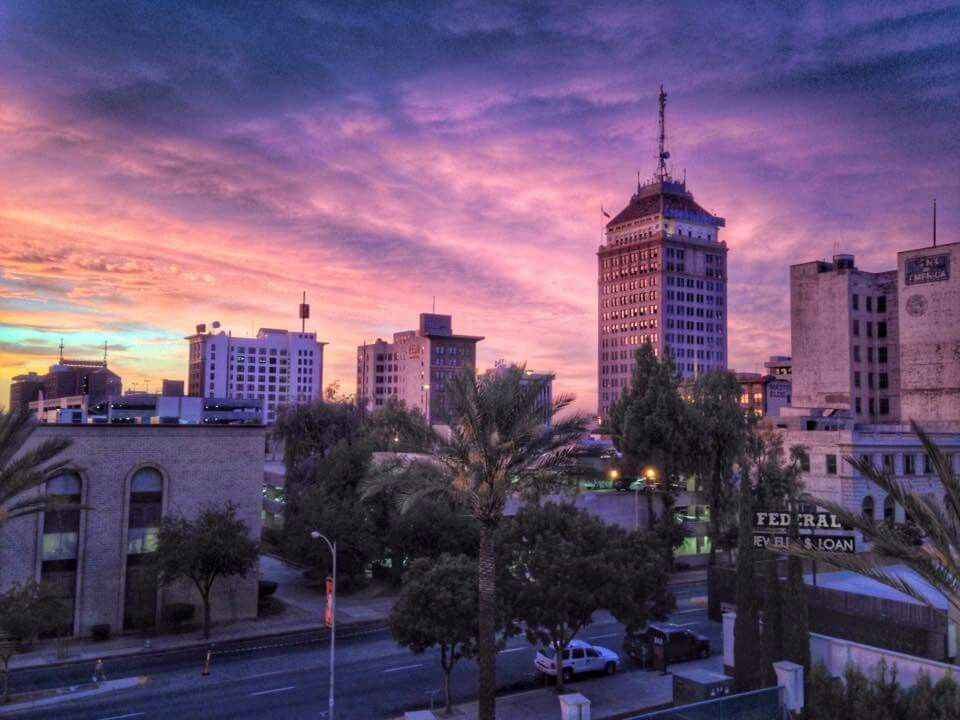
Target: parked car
column 679, row 644
column 578, row 657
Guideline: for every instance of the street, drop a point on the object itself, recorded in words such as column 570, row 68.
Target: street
column 375, row 677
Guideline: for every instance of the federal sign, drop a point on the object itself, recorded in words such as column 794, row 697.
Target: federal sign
column 804, row 521
column 927, row 269
column 820, row 543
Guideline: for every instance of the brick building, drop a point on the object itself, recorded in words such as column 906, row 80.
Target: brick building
column 130, row 476
column 415, row 367
column 661, row 279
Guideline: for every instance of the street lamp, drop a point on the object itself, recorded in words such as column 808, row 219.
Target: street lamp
column 316, row 535
column 649, row 478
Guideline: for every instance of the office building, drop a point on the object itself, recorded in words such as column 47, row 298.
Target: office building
column 416, row 367
column 91, row 379
column 277, row 367
column 870, row 352
column 24, row 389
column 172, row 388
column 545, row 397
column 662, row 279
column 130, row 476
column 844, row 339
column 763, row 395
column 779, row 365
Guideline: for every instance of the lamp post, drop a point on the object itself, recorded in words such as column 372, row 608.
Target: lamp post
column 316, row 535
column 649, row 478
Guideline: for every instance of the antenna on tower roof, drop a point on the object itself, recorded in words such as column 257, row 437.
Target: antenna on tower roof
column 104, row 353
column 304, row 313
column 934, row 222
column 61, row 351
column 662, row 173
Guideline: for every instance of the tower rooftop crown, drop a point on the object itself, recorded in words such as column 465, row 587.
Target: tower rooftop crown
column 668, row 199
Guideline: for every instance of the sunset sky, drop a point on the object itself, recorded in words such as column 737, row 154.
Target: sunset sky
column 164, row 164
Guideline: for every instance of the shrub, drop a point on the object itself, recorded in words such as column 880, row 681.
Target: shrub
column 177, row 613
column 100, row 632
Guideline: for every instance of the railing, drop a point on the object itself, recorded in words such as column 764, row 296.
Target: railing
column 766, row 704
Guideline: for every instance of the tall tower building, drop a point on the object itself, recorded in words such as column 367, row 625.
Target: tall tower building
column 662, row 279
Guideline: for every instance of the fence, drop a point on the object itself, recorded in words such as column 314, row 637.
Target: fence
column 899, row 626
column 836, row 654
column 764, row 704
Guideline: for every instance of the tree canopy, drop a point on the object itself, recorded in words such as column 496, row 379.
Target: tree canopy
column 214, row 545
column 567, row 564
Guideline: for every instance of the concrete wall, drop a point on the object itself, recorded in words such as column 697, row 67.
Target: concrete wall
column 837, row 654
column 200, row 465
column 929, row 305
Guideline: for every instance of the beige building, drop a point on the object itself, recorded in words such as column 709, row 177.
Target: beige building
column 844, row 339
column 416, row 367
column 130, row 476
column 929, row 310
column 872, row 351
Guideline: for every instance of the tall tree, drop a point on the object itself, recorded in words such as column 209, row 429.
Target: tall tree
column 567, row 564
column 217, row 544
column 650, row 425
column 438, row 608
column 722, row 428
column 746, row 632
column 498, row 445
column 22, row 471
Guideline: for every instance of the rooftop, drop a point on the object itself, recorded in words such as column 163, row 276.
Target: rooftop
column 669, row 199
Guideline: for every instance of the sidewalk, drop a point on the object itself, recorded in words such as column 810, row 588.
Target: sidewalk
column 303, row 611
column 623, row 694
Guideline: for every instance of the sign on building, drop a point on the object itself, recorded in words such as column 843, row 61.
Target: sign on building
column 927, row 269
column 821, row 543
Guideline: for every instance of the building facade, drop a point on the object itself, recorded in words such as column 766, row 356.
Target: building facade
column 763, row 395
column 845, row 339
column 544, row 399
column 172, row 388
column 24, row 389
column 416, row 367
column 277, row 367
column 130, row 477
column 928, row 301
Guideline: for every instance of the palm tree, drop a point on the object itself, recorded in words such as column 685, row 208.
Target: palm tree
column 24, row 470
column 499, row 445
column 937, row 560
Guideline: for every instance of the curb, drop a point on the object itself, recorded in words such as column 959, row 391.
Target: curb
column 204, row 645
column 74, row 692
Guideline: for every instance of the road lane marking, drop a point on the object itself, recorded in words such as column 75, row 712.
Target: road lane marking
column 120, row 717
column 275, row 690
column 510, row 650
column 687, row 612
column 601, row 637
column 404, row 667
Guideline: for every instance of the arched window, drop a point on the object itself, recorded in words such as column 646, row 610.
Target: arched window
column 61, row 543
column 140, row 593
column 889, row 510
column 867, row 507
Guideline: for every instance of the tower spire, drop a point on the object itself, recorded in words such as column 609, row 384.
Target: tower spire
column 61, row 351
column 934, row 222
column 662, row 173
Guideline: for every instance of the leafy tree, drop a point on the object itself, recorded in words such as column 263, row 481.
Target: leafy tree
column 498, row 445
column 650, row 425
column 567, row 564
column 215, row 545
column 722, row 429
column 25, row 612
column 434, row 527
column 330, row 503
column 438, row 608
column 22, row 471
column 936, row 514
column 309, row 432
column 393, row 427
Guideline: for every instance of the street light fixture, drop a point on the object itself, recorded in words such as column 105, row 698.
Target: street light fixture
column 332, row 600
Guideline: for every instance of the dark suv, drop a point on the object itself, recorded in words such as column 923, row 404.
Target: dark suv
column 678, row 644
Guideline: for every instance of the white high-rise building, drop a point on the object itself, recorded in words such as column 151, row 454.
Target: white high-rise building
column 278, row 367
